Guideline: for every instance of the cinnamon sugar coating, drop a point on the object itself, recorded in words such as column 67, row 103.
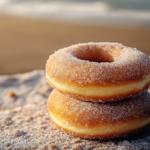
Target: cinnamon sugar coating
column 98, row 64
column 91, row 114
column 97, row 120
column 99, row 72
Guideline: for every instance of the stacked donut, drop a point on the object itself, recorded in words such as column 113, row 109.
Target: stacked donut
column 100, row 90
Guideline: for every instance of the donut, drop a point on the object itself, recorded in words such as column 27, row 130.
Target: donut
column 99, row 72
column 98, row 120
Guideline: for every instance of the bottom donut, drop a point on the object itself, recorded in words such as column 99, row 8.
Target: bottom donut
column 99, row 121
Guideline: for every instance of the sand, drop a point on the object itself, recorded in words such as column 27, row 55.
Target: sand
column 25, row 123
column 26, row 43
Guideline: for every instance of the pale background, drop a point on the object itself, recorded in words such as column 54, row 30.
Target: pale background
column 32, row 30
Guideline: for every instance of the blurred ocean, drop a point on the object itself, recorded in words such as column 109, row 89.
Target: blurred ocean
column 109, row 12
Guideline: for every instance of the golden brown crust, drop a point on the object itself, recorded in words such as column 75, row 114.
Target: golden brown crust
column 98, row 64
column 104, row 137
column 90, row 115
column 105, row 98
column 97, row 112
column 112, row 98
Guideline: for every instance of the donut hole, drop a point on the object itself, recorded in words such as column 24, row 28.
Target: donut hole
column 94, row 55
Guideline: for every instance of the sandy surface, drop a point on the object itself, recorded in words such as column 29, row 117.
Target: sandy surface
column 25, row 44
column 25, row 123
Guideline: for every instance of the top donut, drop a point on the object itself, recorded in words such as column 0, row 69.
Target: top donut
column 99, row 72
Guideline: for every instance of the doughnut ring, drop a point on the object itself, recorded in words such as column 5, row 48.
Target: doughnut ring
column 98, row 120
column 99, row 72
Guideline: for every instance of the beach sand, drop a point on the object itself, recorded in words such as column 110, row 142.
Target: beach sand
column 25, row 123
column 25, row 43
